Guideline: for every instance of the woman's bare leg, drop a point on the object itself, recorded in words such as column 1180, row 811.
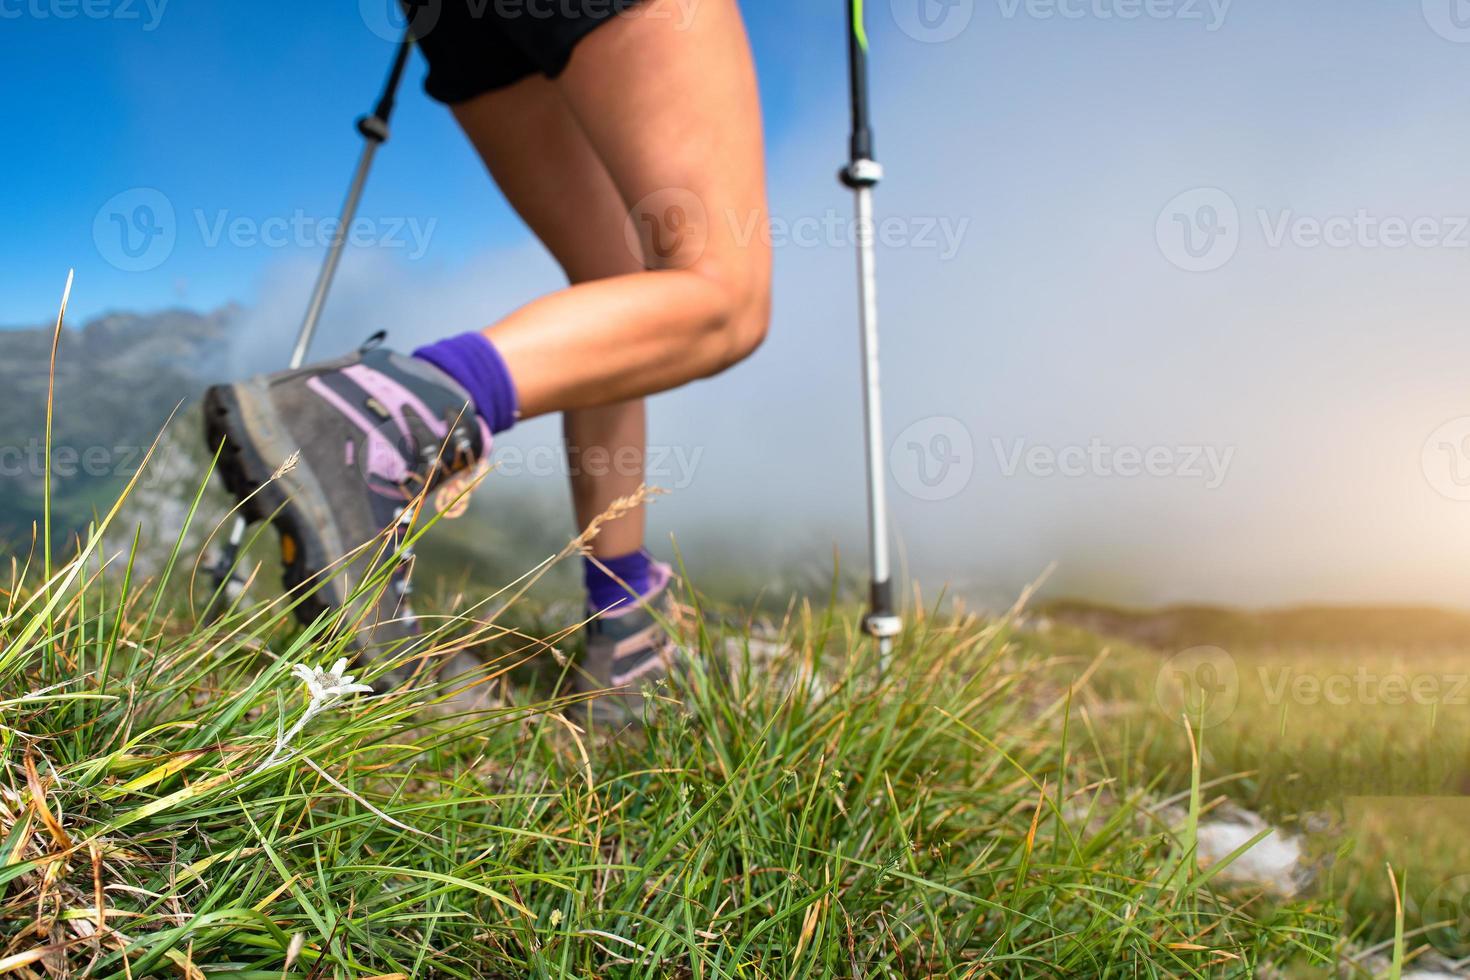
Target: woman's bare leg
column 608, row 444
column 544, row 164
column 673, row 116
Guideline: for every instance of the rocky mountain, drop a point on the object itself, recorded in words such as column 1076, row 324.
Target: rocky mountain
column 118, row 379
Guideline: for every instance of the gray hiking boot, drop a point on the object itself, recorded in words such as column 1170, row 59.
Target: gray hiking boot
column 631, row 651
column 374, row 430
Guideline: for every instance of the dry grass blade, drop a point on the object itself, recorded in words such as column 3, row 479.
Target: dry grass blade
column 39, row 807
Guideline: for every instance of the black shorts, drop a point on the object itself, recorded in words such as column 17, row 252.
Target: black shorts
column 476, row 46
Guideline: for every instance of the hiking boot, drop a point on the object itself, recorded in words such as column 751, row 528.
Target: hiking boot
column 631, row 653
column 374, row 430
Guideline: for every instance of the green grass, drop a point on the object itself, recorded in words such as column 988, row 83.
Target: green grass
column 168, row 807
column 803, row 817
column 1362, row 749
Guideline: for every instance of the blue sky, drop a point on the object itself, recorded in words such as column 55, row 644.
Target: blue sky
column 1057, row 304
column 223, row 107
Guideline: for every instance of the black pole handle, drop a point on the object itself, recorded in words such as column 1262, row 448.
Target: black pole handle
column 861, row 170
column 861, row 143
column 375, row 127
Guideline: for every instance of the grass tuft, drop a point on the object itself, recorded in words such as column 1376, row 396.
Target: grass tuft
column 176, row 798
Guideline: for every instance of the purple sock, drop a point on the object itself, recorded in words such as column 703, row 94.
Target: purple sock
column 604, row 591
column 474, row 362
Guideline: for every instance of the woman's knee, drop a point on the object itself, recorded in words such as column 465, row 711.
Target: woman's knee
column 751, row 324
column 743, row 313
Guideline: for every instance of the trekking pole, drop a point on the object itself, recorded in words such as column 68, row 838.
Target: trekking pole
column 374, row 131
column 861, row 175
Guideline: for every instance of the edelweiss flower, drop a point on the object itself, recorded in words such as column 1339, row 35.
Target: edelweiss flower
column 328, row 685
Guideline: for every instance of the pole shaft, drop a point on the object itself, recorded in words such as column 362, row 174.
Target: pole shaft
column 334, row 256
column 374, row 131
column 861, row 174
column 872, row 393
column 880, row 620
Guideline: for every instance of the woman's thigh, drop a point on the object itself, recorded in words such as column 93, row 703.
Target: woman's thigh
column 667, row 98
column 544, row 164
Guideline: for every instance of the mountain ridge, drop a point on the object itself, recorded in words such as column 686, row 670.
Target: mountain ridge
column 120, row 377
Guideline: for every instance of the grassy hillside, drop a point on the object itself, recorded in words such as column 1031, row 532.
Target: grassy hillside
column 1347, row 727
column 1180, row 627
column 1006, row 797
column 171, row 800
column 174, row 799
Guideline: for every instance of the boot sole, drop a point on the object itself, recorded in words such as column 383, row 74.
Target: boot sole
column 252, row 444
